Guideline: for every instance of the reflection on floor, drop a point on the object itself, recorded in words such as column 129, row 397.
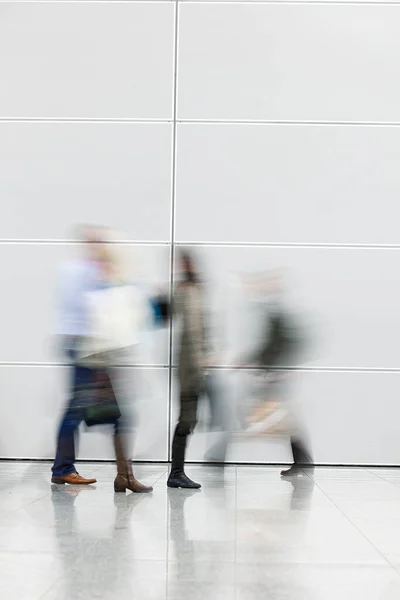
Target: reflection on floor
column 331, row 535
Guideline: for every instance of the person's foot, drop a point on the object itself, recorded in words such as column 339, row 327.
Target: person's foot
column 181, row 480
column 292, row 472
column 124, row 484
column 72, row 479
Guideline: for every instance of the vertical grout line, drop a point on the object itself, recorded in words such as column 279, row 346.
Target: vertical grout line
column 172, row 231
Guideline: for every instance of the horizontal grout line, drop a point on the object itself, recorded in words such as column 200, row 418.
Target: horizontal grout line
column 305, row 369
column 84, row 1
column 273, row 2
column 289, row 122
column 230, row 368
column 51, row 365
column 283, row 245
column 50, row 242
column 126, row 120
column 296, row 245
column 101, row 120
column 297, row 2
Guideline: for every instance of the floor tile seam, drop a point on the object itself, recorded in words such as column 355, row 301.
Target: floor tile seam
column 11, row 512
column 388, row 480
column 396, row 484
column 376, row 475
column 52, row 586
column 390, row 564
column 348, row 565
column 315, row 564
column 309, row 564
column 158, row 480
column 315, row 473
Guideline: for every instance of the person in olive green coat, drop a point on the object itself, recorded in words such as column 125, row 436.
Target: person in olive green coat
column 189, row 308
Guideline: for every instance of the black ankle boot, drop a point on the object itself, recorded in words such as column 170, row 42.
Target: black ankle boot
column 177, row 478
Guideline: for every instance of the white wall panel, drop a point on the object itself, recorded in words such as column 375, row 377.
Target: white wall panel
column 54, row 175
column 346, row 301
column 34, row 400
column 288, row 61
column 86, row 59
column 271, row 183
column 351, row 417
column 346, row 418
column 28, row 316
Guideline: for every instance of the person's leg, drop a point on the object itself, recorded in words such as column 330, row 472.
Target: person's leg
column 186, row 424
column 63, row 469
column 123, row 437
column 301, row 457
column 125, row 479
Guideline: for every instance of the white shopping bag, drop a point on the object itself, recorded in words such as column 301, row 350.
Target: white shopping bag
column 116, row 317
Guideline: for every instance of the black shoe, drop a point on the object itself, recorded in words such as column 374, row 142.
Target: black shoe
column 292, row 472
column 180, row 480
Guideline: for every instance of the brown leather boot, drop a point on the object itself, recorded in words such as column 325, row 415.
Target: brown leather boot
column 125, row 480
column 73, row 479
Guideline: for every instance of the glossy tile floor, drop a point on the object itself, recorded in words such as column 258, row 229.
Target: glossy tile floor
column 331, row 535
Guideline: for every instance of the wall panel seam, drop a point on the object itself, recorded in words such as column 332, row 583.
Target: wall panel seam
column 49, row 364
column 172, row 223
column 194, row 121
column 54, row 242
column 214, row 244
column 293, row 2
column 86, row 120
column 172, row 367
column 223, row 2
column 290, row 122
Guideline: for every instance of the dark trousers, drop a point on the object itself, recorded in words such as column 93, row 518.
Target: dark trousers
column 73, row 416
column 185, row 426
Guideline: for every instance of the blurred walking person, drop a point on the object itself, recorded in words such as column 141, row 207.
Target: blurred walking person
column 99, row 314
column 189, row 307
column 277, row 356
column 78, row 277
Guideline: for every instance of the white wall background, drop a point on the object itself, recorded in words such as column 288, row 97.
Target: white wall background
column 265, row 132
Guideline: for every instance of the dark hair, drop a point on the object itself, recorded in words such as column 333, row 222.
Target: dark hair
column 190, row 274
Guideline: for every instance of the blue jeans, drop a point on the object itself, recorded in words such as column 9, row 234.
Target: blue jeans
column 73, row 416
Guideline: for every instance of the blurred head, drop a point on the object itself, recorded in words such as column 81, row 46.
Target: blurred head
column 187, row 267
